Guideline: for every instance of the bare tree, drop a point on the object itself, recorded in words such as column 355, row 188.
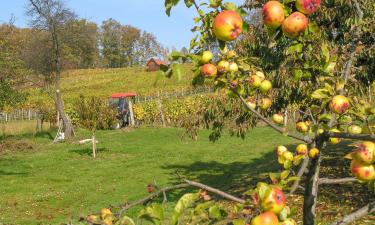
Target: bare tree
column 50, row 16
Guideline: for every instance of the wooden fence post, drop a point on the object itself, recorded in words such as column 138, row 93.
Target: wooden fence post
column 161, row 110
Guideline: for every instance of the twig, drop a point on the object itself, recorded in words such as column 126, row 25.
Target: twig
column 369, row 208
column 187, row 183
column 337, row 181
column 151, row 196
column 269, row 123
column 300, row 173
column 215, row 191
column 365, row 137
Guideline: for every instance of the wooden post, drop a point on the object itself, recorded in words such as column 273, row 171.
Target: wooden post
column 131, row 112
column 93, row 145
column 161, row 110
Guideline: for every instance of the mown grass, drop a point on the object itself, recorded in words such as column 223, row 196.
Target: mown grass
column 55, row 183
column 63, row 181
column 103, row 82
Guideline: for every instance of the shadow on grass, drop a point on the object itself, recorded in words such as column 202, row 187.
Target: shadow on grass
column 7, row 173
column 238, row 177
column 88, row 151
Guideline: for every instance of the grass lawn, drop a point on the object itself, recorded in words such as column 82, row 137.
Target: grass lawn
column 57, row 182
column 53, row 183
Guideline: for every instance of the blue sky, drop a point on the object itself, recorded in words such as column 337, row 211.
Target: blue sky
column 148, row 15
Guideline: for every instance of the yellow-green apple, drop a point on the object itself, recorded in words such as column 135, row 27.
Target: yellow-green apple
column 209, row 70
column 280, row 150
column 267, row 218
column 294, row 24
column 223, row 66
column 231, row 54
column 265, row 86
column 288, row 155
column 207, row 56
column 251, row 102
column 365, row 153
column 302, row 149
column 354, row 129
column 273, row 14
column 227, row 25
column 339, row 104
column 261, row 75
column 265, row 103
column 307, row 6
column 363, row 172
column 105, row 213
column 274, row 200
column 302, row 127
column 233, row 67
column 278, row 118
column 313, row 153
column 288, row 222
column 334, row 140
column 320, row 131
column 255, row 81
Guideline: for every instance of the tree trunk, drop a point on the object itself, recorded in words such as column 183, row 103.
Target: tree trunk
column 67, row 125
column 312, row 186
column 93, row 145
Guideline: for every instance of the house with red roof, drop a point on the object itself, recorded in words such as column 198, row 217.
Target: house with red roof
column 154, row 64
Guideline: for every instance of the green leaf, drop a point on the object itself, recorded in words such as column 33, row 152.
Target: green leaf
column 125, row 220
column 297, row 159
column 320, row 94
column 245, row 27
column 238, row 222
column 153, row 213
column 284, row 174
column 325, row 52
column 287, row 164
column 263, row 191
column 169, row 4
column 297, row 48
column 189, row 3
column 182, row 204
column 214, row 212
column 177, row 70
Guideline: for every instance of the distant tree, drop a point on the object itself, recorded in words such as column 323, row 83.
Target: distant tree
column 51, row 16
column 130, row 36
column 12, row 68
column 111, row 43
column 147, row 47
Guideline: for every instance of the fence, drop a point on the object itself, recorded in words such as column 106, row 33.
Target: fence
column 182, row 92
column 30, row 114
column 17, row 115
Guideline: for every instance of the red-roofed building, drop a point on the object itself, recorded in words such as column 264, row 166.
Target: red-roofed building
column 154, row 64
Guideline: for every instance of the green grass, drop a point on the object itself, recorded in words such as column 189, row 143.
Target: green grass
column 63, row 181
column 103, row 82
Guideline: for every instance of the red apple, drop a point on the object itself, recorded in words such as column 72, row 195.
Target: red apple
column 339, row 104
column 223, row 66
column 227, row 25
column 307, row 6
column 302, row 149
column 267, row 218
column 209, row 70
column 207, row 56
column 265, row 103
column 273, row 14
column 363, row 172
column 265, row 86
column 278, row 118
column 365, row 152
column 302, row 127
column 280, row 150
column 255, row 81
column 274, row 201
column 354, row 129
column 294, row 24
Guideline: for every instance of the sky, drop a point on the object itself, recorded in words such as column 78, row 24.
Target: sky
column 147, row 15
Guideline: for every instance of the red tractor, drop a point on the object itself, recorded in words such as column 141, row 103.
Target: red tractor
column 123, row 102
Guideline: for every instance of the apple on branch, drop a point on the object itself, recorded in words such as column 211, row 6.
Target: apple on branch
column 227, row 25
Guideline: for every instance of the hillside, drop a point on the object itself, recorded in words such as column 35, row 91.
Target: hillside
column 103, row 82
